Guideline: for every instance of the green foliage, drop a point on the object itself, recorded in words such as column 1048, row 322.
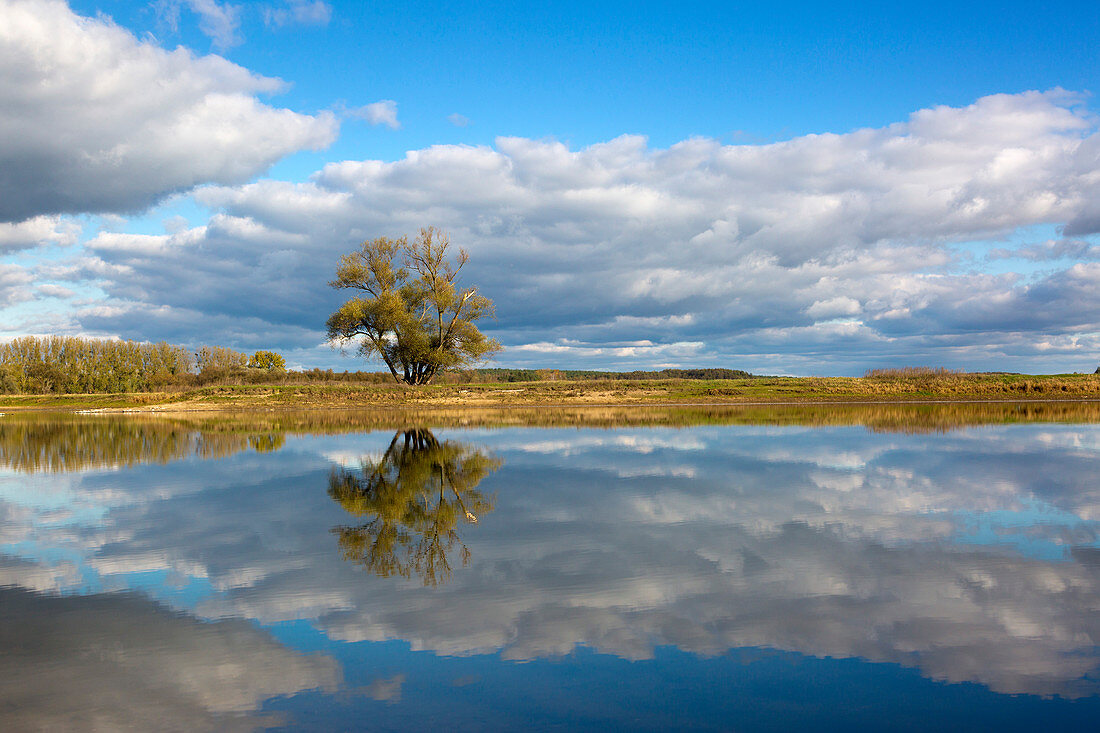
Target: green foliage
column 69, row 364
column 74, row 365
column 219, row 362
column 268, row 360
column 414, row 496
column 413, row 317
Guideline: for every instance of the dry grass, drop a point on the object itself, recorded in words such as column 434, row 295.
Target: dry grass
column 58, row 442
column 886, row 386
column 912, row 372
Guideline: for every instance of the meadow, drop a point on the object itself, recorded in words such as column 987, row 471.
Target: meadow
column 323, row 394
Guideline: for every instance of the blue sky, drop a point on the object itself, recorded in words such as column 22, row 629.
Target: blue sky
column 851, row 166
column 589, row 72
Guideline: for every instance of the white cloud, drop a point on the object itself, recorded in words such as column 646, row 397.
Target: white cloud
column 646, row 350
column 705, row 252
column 833, row 307
column 15, row 284
column 93, row 120
column 37, row 232
column 53, row 291
column 458, row 120
column 383, row 112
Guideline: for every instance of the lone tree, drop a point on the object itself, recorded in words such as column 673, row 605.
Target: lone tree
column 411, row 314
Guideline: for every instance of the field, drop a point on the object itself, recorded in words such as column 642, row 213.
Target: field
column 886, row 387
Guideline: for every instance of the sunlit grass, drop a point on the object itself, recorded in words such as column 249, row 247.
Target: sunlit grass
column 886, row 385
column 37, row 440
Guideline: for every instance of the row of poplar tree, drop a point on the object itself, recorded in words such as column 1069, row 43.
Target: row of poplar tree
column 71, row 364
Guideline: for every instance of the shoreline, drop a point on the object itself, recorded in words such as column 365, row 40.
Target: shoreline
column 228, row 407
column 242, row 427
column 673, row 393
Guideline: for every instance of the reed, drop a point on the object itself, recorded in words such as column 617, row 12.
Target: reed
column 911, row 372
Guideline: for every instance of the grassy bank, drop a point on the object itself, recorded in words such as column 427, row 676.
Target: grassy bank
column 34, row 441
column 889, row 388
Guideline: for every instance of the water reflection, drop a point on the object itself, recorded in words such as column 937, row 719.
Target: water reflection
column 119, row 661
column 415, row 495
column 62, row 443
column 963, row 557
column 58, row 442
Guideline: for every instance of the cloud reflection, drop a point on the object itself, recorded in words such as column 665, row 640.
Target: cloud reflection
column 970, row 556
column 123, row 662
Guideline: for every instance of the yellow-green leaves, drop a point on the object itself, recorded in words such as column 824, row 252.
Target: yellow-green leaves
column 414, row 316
column 267, row 360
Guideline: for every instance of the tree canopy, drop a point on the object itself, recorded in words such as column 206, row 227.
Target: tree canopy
column 68, row 364
column 411, row 312
column 268, row 360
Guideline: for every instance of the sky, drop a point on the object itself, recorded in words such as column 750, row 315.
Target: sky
column 784, row 188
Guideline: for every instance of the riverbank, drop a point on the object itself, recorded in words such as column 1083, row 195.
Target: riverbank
column 58, row 441
column 759, row 390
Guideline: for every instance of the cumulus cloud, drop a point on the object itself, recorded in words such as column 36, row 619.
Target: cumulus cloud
column 267, row 269
column 38, row 231
column 53, row 291
column 15, row 284
column 383, row 112
column 458, row 120
column 826, row 252
column 94, row 120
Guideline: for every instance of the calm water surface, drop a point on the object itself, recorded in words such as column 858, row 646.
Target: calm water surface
column 160, row 575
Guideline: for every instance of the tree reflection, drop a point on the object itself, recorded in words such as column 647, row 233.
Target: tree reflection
column 416, row 495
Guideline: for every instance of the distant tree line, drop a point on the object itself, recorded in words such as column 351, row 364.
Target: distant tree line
column 544, row 375
column 76, row 365
column 69, row 364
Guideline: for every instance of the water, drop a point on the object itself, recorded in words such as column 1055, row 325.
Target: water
column 936, row 568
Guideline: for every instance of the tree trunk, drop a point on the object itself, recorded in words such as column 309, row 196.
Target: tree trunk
column 419, row 373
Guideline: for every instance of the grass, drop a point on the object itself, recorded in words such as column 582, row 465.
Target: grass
column 61, row 441
column 879, row 385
